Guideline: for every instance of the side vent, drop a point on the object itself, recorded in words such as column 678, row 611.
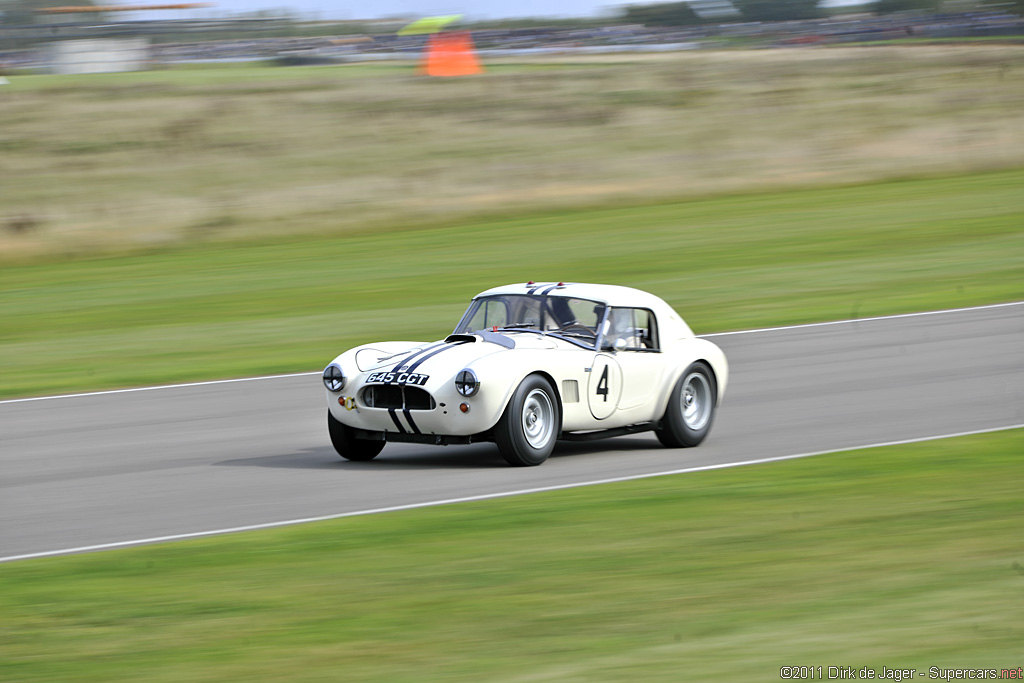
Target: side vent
column 570, row 391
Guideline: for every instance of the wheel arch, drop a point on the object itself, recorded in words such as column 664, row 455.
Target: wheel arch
column 513, row 380
column 513, row 431
column 554, row 385
column 709, row 353
column 714, row 376
column 717, row 371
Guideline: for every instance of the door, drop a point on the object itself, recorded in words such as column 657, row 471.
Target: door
column 604, row 388
column 634, row 332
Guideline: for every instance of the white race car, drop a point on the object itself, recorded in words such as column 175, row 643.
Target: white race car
column 529, row 364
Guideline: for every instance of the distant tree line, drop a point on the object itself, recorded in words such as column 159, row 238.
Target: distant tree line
column 289, row 24
column 681, row 14
column 661, row 14
column 26, row 12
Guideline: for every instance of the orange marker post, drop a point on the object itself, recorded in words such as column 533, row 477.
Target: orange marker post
column 451, row 54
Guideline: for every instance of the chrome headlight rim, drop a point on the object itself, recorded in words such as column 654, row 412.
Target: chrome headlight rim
column 334, row 378
column 467, row 383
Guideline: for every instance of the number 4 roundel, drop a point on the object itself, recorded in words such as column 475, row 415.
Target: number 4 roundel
column 605, row 387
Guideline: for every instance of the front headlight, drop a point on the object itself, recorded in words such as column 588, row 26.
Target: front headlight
column 334, row 378
column 466, row 383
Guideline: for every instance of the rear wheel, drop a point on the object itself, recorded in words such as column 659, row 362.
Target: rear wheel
column 527, row 431
column 691, row 408
column 348, row 446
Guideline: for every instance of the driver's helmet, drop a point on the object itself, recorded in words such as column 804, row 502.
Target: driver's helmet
column 620, row 326
column 563, row 315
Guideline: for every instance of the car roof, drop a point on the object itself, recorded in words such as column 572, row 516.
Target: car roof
column 612, row 295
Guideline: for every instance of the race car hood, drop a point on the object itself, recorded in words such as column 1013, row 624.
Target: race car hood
column 444, row 358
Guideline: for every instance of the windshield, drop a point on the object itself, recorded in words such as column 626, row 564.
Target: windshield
column 577, row 320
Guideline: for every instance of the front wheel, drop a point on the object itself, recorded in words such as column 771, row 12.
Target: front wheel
column 348, row 446
column 527, row 431
column 691, row 408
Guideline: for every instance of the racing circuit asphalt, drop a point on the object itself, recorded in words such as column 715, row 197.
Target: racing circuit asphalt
column 116, row 467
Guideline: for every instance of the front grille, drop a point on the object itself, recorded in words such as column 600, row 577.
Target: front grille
column 418, row 399
column 397, row 396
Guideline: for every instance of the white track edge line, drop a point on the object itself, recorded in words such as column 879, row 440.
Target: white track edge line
column 162, row 386
column 712, row 334
column 488, row 496
column 863, row 320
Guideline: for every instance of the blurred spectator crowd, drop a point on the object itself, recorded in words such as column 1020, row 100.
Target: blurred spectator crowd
column 340, row 48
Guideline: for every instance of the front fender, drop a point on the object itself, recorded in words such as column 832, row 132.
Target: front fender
column 501, row 374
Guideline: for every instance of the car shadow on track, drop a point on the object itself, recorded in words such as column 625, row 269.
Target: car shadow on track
column 407, row 457
column 469, row 457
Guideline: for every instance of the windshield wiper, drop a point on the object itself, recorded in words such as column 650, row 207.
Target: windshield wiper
column 522, row 327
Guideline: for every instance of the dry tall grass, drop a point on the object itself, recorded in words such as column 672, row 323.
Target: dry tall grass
column 126, row 161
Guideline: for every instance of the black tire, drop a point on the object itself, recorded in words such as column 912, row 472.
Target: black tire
column 532, row 422
column 691, row 408
column 348, row 446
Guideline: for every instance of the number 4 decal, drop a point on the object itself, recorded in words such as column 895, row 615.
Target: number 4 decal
column 602, row 385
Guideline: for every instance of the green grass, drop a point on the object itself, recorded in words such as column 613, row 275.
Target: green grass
column 905, row 556
column 113, row 163
column 732, row 262
column 209, row 222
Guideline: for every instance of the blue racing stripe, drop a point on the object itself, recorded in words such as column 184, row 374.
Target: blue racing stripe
column 412, row 368
column 408, row 416
column 412, row 355
column 394, row 418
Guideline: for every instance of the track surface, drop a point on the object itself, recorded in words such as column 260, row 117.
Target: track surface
column 86, row 470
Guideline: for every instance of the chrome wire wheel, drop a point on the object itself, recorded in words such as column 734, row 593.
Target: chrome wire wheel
column 696, row 401
column 538, row 419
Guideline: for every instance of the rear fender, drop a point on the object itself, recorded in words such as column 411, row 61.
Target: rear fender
column 692, row 351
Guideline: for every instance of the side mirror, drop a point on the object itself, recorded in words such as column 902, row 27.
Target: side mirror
column 619, row 345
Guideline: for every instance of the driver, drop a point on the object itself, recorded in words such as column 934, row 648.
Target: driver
column 619, row 326
column 562, row 314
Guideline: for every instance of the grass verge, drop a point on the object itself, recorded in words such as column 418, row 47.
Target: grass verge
column 904, row 557
column 731, row 262
column 110, row 163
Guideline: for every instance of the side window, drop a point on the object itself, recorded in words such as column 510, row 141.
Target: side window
column 647, row 326
column 636, row 326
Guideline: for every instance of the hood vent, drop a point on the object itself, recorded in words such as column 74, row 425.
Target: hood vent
column 493, row 337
